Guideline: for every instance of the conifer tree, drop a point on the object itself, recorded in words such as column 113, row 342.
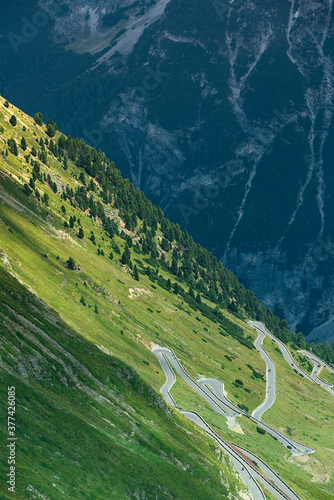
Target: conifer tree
column 82, row 178
column 91, row 185
column 23, row 144
column 174, row 267
column 51, row 128
column 126, row 256
column 26, row 189
column 39, row 119
column 165, row 245
column 135, row 273
column 70, row 263
column 92, row 238
column 80, row 233
column 13, row 146
column 148, row 271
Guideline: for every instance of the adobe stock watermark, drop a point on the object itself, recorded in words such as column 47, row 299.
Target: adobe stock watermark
column 151, row 81
column 30, row 27
column 222, row 7
column 205, row 194
column 11, row 440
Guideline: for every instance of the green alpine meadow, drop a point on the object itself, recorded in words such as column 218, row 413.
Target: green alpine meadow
column 93, row 279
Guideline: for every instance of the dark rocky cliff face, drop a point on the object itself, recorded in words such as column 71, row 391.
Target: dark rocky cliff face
column 221, row 112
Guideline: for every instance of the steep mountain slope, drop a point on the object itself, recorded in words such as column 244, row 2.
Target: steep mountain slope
column 123, row 278
column 86, row 425
column 219, row 111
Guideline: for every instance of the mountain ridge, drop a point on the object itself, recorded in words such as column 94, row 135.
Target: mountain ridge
column 215, row 115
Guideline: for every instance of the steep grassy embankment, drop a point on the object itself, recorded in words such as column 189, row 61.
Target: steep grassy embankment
column 327, row 376
column 86, row 425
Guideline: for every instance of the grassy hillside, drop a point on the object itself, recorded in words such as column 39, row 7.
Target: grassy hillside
column 87, row 426
column 327, row 376
column 106, row 308
column 37, row 247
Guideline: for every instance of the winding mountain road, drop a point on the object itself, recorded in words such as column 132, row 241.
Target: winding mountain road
column 212, row 391
column 270, row 378
column 163, row 354
column 319, row 364
column 260, row 327
column 207, row 388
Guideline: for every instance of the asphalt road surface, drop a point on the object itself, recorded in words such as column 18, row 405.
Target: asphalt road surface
column 220, row 403
column 314, row 377
column 319, row 364
column 212, row 391
column 164, row 354
column 280, row 484
column 246, row 472
column 260, row 327
column 270, row 378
